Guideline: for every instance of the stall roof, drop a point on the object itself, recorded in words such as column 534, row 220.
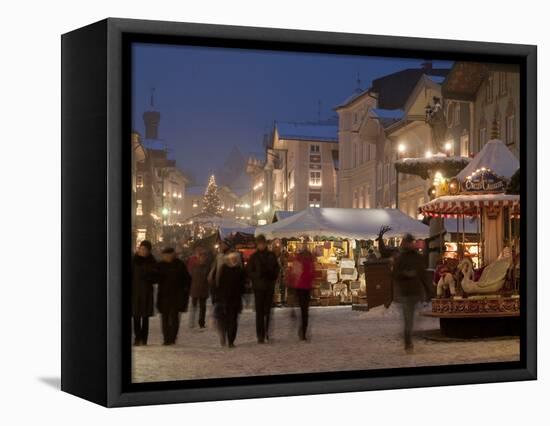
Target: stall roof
column 496, row 156
column 361, row 224
column 226, row 232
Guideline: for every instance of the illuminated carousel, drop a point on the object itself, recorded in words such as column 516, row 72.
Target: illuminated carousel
column 479, row 296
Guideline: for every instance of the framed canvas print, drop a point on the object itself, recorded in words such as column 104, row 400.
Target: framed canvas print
column 253, row 212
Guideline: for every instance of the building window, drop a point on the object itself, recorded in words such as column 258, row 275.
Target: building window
column 510, row 130
column 456, row 114
column 314, row 178
column 139, row 181
column 139, row 208
column 387, row 173
column 291, row 179
column 502, row 84
column 379, row 175
column 489, row 90
column 314, row 148
column 367, row 197
column 354, row 160
column 464, row 146
column 314, row 199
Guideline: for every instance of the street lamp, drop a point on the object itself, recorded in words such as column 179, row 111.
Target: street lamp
column 401, row 148
column 429, row 154
column 448, row 147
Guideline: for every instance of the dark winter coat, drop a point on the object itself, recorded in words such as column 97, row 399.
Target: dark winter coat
column 173, row 291
column 263, row 269
column 145, row 274
column 231, row 287
column 409, row 276
column 199, row 280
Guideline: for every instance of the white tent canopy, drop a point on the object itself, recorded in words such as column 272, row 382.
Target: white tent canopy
column 496, row 156
column 359, row 224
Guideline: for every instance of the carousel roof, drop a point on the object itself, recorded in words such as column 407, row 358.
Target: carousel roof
column 468, row 204
column 495, row 155
column 360, row 224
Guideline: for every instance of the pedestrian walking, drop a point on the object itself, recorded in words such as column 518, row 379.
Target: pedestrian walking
column 199, row 288
column 145, row 274
column 173, row 293
column 301, row 281
column 214, row 275
column 263, row 270
column 229, row 295
column 410, row 285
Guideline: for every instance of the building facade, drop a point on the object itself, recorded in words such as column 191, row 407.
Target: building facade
column 302, row 164
column 488, row 93
column 372, row 125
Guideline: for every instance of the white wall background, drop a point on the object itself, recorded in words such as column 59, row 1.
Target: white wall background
column 30, row 210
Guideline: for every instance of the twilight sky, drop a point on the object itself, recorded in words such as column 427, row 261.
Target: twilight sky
column 211, row 99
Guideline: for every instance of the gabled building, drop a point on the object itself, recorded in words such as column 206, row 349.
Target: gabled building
column 487, row 93
column 369, row 122
column 302, row 163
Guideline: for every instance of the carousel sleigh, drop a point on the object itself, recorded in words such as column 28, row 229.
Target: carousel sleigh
column 492, row 278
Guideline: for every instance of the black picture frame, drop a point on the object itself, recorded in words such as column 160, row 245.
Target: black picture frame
column 95, row 211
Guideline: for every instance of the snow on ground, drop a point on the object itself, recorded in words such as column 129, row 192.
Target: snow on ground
column 341, row 339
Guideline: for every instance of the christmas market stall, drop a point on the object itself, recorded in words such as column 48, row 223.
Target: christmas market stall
column 340, row 240
column 480, row 296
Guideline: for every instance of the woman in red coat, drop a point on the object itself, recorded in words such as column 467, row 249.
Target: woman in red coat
column 301, row 280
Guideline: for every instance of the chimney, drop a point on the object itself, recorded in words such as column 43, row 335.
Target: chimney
column 427, row 66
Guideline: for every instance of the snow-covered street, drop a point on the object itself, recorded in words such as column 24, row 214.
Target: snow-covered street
column 341, row 339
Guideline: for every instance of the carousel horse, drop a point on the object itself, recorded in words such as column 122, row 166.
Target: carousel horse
column 491, row 280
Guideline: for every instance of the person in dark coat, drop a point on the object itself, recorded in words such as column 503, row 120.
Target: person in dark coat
column 173, row 293
column 229, row 295
column 410, row 285
column 199, row 288
column 144, row 275
column 263, row 270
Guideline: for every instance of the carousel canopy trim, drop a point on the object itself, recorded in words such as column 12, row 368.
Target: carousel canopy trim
column 360, row 224
column 495, row 155
column 468, row 205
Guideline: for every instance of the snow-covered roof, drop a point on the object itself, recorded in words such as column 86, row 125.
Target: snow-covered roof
column 308, row 131
column 227, row 232
column 436, row 78
column 282, row 214
column 468, row 204
column 356, row 94
column 396, row 114
column 218, row 221
column 361, row 224
column 495, row 155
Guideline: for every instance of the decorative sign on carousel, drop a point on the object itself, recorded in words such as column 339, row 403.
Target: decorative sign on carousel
column 484, row 180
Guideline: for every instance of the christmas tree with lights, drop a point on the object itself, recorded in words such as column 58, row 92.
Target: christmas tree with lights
column 211, row 203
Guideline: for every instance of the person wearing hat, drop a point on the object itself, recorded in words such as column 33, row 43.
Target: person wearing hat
column 410, row 285
column 199, row 288
column 145, row 274
column 263, row 270
column 173, row 293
